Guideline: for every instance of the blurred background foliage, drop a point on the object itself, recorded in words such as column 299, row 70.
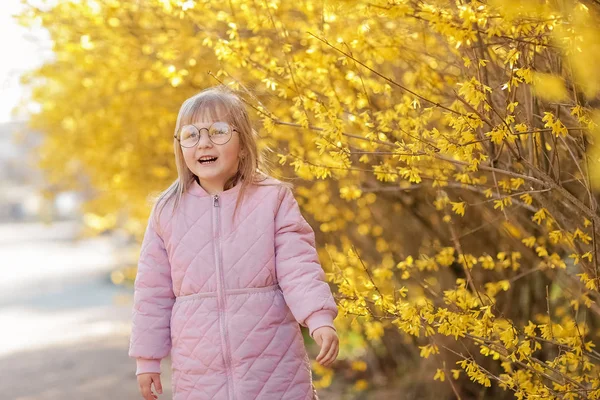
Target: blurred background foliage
column 446, row 154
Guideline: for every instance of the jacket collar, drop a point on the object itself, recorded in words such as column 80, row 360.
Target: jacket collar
column 197, row 190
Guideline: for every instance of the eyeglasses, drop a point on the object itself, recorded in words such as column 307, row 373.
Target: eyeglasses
column 218, row 133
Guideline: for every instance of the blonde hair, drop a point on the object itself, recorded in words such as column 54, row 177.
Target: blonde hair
column 254, row 167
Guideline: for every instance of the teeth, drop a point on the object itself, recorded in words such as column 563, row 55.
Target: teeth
column 207, row 160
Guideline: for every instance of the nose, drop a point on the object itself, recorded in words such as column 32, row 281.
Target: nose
column 204, row 140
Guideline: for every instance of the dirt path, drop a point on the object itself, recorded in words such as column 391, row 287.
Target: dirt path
column 89, row 370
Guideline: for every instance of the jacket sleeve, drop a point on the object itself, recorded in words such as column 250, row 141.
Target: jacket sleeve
column 153, row 301
column 299, row 272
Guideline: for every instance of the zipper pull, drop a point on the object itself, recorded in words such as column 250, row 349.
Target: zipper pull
column 216, row 200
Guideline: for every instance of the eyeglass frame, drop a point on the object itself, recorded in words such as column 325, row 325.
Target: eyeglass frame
column 208, row 130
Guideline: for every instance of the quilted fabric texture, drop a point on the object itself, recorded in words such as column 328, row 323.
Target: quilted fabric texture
column 225, row 298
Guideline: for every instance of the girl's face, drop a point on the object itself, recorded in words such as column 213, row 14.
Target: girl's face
column 213, row 175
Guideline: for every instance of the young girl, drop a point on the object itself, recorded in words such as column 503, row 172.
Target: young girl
column 227, row 271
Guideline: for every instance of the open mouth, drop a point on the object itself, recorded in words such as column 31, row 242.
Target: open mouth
column 208, row 160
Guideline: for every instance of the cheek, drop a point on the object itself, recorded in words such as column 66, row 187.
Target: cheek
column 189, row 159
column 232, row 152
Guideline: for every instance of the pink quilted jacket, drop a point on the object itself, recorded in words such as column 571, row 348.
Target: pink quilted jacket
column 225, row 298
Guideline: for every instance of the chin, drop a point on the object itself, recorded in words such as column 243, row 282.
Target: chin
column 208, row 175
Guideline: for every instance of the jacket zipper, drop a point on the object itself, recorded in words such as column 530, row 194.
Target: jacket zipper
column 221, row 278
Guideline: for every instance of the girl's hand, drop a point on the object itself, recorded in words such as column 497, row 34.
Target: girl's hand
column 145, row 380
column 327, row 338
